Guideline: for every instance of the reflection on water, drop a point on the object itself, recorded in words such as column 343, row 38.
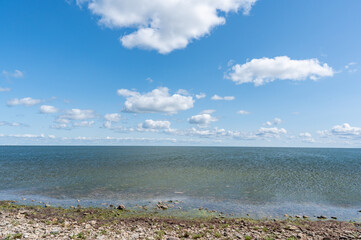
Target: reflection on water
column 254, row 180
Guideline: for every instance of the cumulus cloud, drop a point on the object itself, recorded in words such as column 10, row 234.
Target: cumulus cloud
column 203, row 119
column 265, row 70
column 157, row 101
column 271, row 132
column 78, row 118
column 275, row 121
column 4, row 89
column 164, row 25
column 112, row 117
column 226, row 98
column 346, row 130
column 28, row 101
column 15, row 74
column 47, row 109
column 78, row 114
column 306, row 137
column 152, row 125
column 243, row 112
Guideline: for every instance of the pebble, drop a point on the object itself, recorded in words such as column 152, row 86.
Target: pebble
column 37, row 228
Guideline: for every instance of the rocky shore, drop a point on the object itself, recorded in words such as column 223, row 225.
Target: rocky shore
column 46, row 222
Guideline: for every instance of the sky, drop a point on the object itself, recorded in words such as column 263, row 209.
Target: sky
column 177, row 72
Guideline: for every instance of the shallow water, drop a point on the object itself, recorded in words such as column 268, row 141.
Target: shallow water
column 262, row 182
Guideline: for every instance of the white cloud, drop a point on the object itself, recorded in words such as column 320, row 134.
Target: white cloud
column 164, row 25
column 79, row 117
column 208, row 111
column 306, row 137
column 28, row 101
column 151, row 125
column 4, row 89
column 183, row 92
column 112, row 117
column 275, row 121
column 200, row 96
column 149, row 79
column 346, row 130
column 83, row 124
column 48, row 109
column 11, row 124
column 226, row 98
column 26, row 135
column 78, row 114
column 350, row 67
column 243, row 112
column 264, row 70
column 15, row 74
column 157, row 101
column 216, row 133
column 271, row 132
column 60, row 126
column 202, row 119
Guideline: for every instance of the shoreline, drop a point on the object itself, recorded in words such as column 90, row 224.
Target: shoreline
column 118, row 222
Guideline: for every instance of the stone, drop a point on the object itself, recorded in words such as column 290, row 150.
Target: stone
column 322, row 217
column 121, row 207
column 164, row 207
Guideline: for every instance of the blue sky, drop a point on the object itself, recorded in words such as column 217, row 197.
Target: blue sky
column 227, row 73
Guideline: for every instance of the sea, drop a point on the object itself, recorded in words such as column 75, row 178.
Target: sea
column 239, row 181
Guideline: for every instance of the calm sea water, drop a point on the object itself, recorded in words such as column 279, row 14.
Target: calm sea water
column 262, row 182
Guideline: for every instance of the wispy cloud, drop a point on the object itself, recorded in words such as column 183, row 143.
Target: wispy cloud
column 243, row 112
column 15, row 74
column 5, row 89
column 28, row 102
column 226, row 98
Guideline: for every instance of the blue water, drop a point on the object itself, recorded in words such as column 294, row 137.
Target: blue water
column 261, row 182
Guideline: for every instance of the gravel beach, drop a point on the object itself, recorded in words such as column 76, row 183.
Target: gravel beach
column 40, row 222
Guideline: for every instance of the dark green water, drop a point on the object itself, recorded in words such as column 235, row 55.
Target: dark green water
column 258, row 181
